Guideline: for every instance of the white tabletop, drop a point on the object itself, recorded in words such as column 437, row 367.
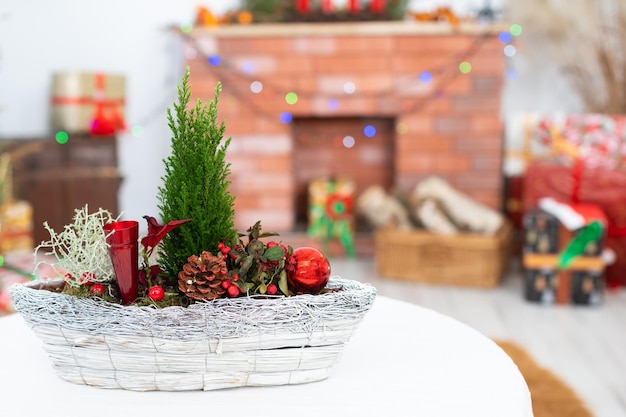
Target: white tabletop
column 404, row 360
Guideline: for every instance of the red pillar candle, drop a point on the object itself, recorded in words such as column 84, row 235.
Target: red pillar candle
column 353, row 6
column 302, row 6
column 377, row 6
column 327, row 6
column 123, row 240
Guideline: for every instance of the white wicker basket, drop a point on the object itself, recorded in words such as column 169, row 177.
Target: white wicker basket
column 223, row 343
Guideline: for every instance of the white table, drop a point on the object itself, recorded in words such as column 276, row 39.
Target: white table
column 404, row 360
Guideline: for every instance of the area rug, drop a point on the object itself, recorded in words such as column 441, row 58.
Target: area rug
column 551, row 396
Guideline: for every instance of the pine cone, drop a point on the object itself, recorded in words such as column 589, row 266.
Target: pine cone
column 201, row 277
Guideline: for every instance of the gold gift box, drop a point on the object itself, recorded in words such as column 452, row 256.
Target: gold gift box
column 75, row 96
column 16, row 226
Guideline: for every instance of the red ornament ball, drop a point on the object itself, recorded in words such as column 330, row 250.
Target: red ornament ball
column 156, row 293
column 311, row 271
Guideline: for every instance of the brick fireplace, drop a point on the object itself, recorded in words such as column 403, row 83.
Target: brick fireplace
column 347, row 77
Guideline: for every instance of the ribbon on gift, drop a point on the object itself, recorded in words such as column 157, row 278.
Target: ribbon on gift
column 107, row 119
column 592, row 231
column 578, row 168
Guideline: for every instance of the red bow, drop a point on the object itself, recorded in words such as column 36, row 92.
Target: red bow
column 107, row 119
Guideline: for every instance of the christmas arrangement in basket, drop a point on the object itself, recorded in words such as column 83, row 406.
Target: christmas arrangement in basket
column 194, row 304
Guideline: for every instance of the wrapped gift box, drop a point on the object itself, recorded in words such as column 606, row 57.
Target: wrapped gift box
column 543, row 285
column 599, row 185
column 541, row 231
column 15, row 267
column 331, row 214
column 514, row 210
column 582, row 282
column 19, row 267
column 596, row 138
column 84, row 102
column 16, row 226
column 587, row 287
column 545, row 234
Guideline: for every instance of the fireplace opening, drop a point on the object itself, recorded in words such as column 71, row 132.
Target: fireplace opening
column 356, row 149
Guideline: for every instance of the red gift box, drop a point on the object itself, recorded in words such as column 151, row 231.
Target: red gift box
column 600, row 185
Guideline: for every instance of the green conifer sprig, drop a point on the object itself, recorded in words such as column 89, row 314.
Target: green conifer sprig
column 195, row 183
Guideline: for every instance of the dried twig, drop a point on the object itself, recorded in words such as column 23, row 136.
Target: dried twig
column 587, row 39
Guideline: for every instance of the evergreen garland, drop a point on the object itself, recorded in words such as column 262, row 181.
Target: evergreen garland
column 195, row 183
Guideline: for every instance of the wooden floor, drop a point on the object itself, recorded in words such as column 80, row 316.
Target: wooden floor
column 585, row 346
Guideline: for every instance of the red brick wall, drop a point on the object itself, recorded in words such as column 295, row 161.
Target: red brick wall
column 450, row 127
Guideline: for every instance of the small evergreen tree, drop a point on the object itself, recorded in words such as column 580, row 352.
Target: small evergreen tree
column 195, row 183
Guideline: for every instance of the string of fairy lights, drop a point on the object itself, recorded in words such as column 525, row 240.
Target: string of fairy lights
column 244, row 82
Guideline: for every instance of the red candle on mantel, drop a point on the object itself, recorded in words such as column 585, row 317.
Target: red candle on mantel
column 377, row 6
column 327, row 6
column 353, row 6
column 302, row 6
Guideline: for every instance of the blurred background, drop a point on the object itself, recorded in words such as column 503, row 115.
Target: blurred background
column 474, row 143
column 333, row 107
column 135, row 39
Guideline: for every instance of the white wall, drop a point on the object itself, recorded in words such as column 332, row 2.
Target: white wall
column 40, row 37
column 129, row 37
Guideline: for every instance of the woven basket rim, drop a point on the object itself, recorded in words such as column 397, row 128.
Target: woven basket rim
column 334, row 282
column 222, row 317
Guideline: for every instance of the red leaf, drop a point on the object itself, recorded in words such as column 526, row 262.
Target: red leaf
column 156, row 231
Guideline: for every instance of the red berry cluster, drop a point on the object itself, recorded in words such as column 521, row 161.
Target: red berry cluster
column 260, row 265
column 155, row 293
column 88, row 280
column 272, row 263
column 229, row 284
column 231, row 289
column 224, row 250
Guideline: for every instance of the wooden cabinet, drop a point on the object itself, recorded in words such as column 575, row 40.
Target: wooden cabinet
column 57, row 179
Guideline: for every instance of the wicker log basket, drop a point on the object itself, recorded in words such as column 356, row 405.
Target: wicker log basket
column 223, row 343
